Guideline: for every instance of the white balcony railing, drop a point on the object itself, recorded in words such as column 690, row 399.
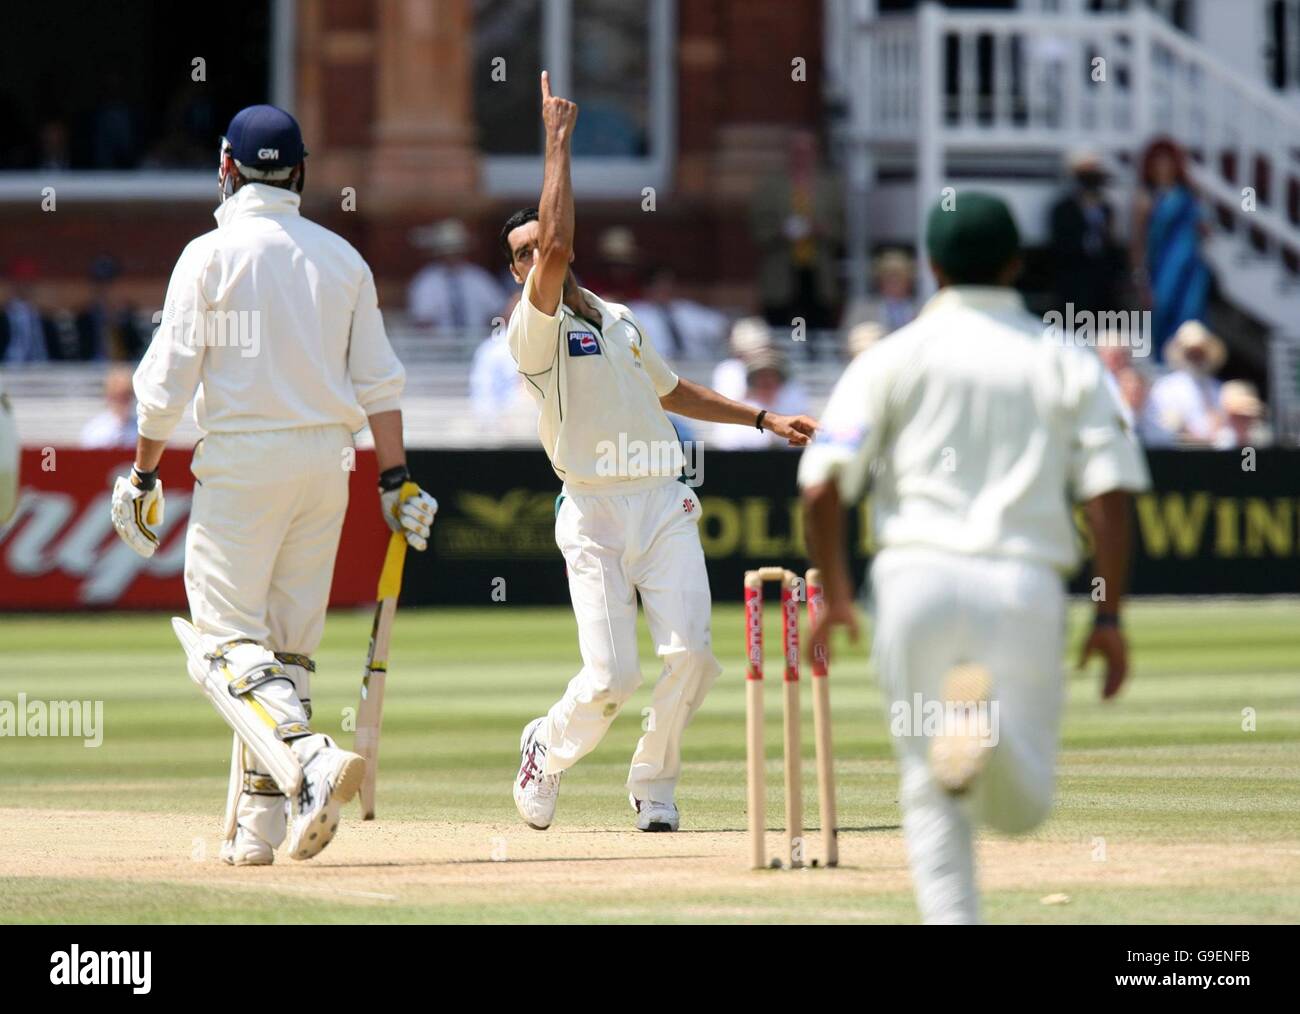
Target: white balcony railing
column 941, row 83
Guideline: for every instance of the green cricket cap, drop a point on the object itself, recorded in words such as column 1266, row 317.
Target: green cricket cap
column 971, row 237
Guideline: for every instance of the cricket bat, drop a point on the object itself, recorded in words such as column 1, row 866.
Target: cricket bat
column 370, row 713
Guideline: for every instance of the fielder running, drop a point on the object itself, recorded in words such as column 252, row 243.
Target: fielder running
column 978, row 430
column 625, row 525
column 274, row 321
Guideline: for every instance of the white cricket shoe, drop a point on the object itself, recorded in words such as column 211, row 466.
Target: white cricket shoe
column 961, row 751
column 652, row 816
column 535, row 793
column 246, row 849
column 330, row 778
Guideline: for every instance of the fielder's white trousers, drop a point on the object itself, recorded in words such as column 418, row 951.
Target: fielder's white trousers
column 264, row 530
column 617, row 547
column 933, row 610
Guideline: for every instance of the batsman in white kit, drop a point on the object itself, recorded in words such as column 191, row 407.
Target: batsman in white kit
column 975, row 429
column 625, row 524
column 273, row 322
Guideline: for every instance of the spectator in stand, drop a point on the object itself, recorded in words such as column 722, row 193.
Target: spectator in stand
column 191, row 123
column 54, row 150
column 26, row 334
column 1168, row 225
column 748, row 335
column 1134, row 392
column 893, row 303
column 1130, row 385
column 114, row 427
column 452, row 294
column 862, row 336
column 106, row 328
column 617, row 273
column 677, row 327
column 10, row 459
column 756, row 369
column 767, row 385
column 113, row 126
column 1243, row 412
column 496, row 389
column 1184, row 403
column 798, row 220
column 1087, row 263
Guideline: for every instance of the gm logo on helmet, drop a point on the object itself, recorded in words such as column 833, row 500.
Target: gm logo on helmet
column 265, row 153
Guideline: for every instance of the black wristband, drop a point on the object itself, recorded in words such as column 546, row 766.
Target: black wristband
column 392, row 478
column 1106, row 620
column 758, row 423
column 144, row 480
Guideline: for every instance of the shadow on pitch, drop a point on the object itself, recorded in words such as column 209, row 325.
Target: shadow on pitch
column 735, row 830
column 416, row 864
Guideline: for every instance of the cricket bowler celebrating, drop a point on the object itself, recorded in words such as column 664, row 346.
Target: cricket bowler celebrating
column 977, row 428
column 624, row 530
column 274, row 321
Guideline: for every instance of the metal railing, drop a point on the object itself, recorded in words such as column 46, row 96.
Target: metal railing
column 922, row 88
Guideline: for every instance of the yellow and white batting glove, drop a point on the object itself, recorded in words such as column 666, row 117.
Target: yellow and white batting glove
column 138, row 510
column 407, row 508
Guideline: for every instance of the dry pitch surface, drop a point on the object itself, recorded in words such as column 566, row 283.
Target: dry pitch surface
column 114, row 865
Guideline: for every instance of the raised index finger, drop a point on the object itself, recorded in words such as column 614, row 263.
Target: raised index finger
column 546, row 85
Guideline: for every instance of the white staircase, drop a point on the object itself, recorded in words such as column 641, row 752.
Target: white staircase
column 998, row 98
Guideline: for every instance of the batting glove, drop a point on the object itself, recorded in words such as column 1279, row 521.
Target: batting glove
column 407, row 508
column 138, row 510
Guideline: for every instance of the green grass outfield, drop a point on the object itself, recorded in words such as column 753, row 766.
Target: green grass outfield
column 1168, row 809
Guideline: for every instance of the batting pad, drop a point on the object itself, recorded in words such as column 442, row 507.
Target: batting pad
column 242, row 713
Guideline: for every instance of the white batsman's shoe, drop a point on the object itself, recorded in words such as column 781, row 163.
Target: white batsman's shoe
column 330, row 778
column 652, row 816
column 246, row 849
column 535, row 793
column 962, row 750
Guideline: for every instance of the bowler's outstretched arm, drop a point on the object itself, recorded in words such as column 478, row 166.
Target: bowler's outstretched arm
column 555, row 209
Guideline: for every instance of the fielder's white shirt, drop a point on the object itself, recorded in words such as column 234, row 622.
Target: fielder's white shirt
column 980, row 429
column 598, row 385
column 274, row 321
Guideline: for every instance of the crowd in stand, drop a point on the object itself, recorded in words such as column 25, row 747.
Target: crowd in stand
column 105, row 328
column 1171, row 389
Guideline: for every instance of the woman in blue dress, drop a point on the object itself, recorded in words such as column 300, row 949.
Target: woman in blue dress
column 1168, row 224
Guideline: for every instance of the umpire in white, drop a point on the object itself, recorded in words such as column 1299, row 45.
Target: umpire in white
column 976, row 428
column 273, row 321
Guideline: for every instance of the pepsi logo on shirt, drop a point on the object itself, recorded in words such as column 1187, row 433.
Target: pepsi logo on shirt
column 583, row 343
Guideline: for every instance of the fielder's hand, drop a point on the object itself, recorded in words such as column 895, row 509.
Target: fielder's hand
column 1109, row 643
column 406, row 507
column 559, row 115
column 797, row 429
column 839, row 611
column 138, row 510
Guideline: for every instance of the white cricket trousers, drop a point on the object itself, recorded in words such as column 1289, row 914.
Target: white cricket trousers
column 264, row 530
column 616, row 547
column 933, row 610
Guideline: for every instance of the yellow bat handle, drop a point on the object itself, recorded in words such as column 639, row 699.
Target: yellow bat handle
column 390, row 578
